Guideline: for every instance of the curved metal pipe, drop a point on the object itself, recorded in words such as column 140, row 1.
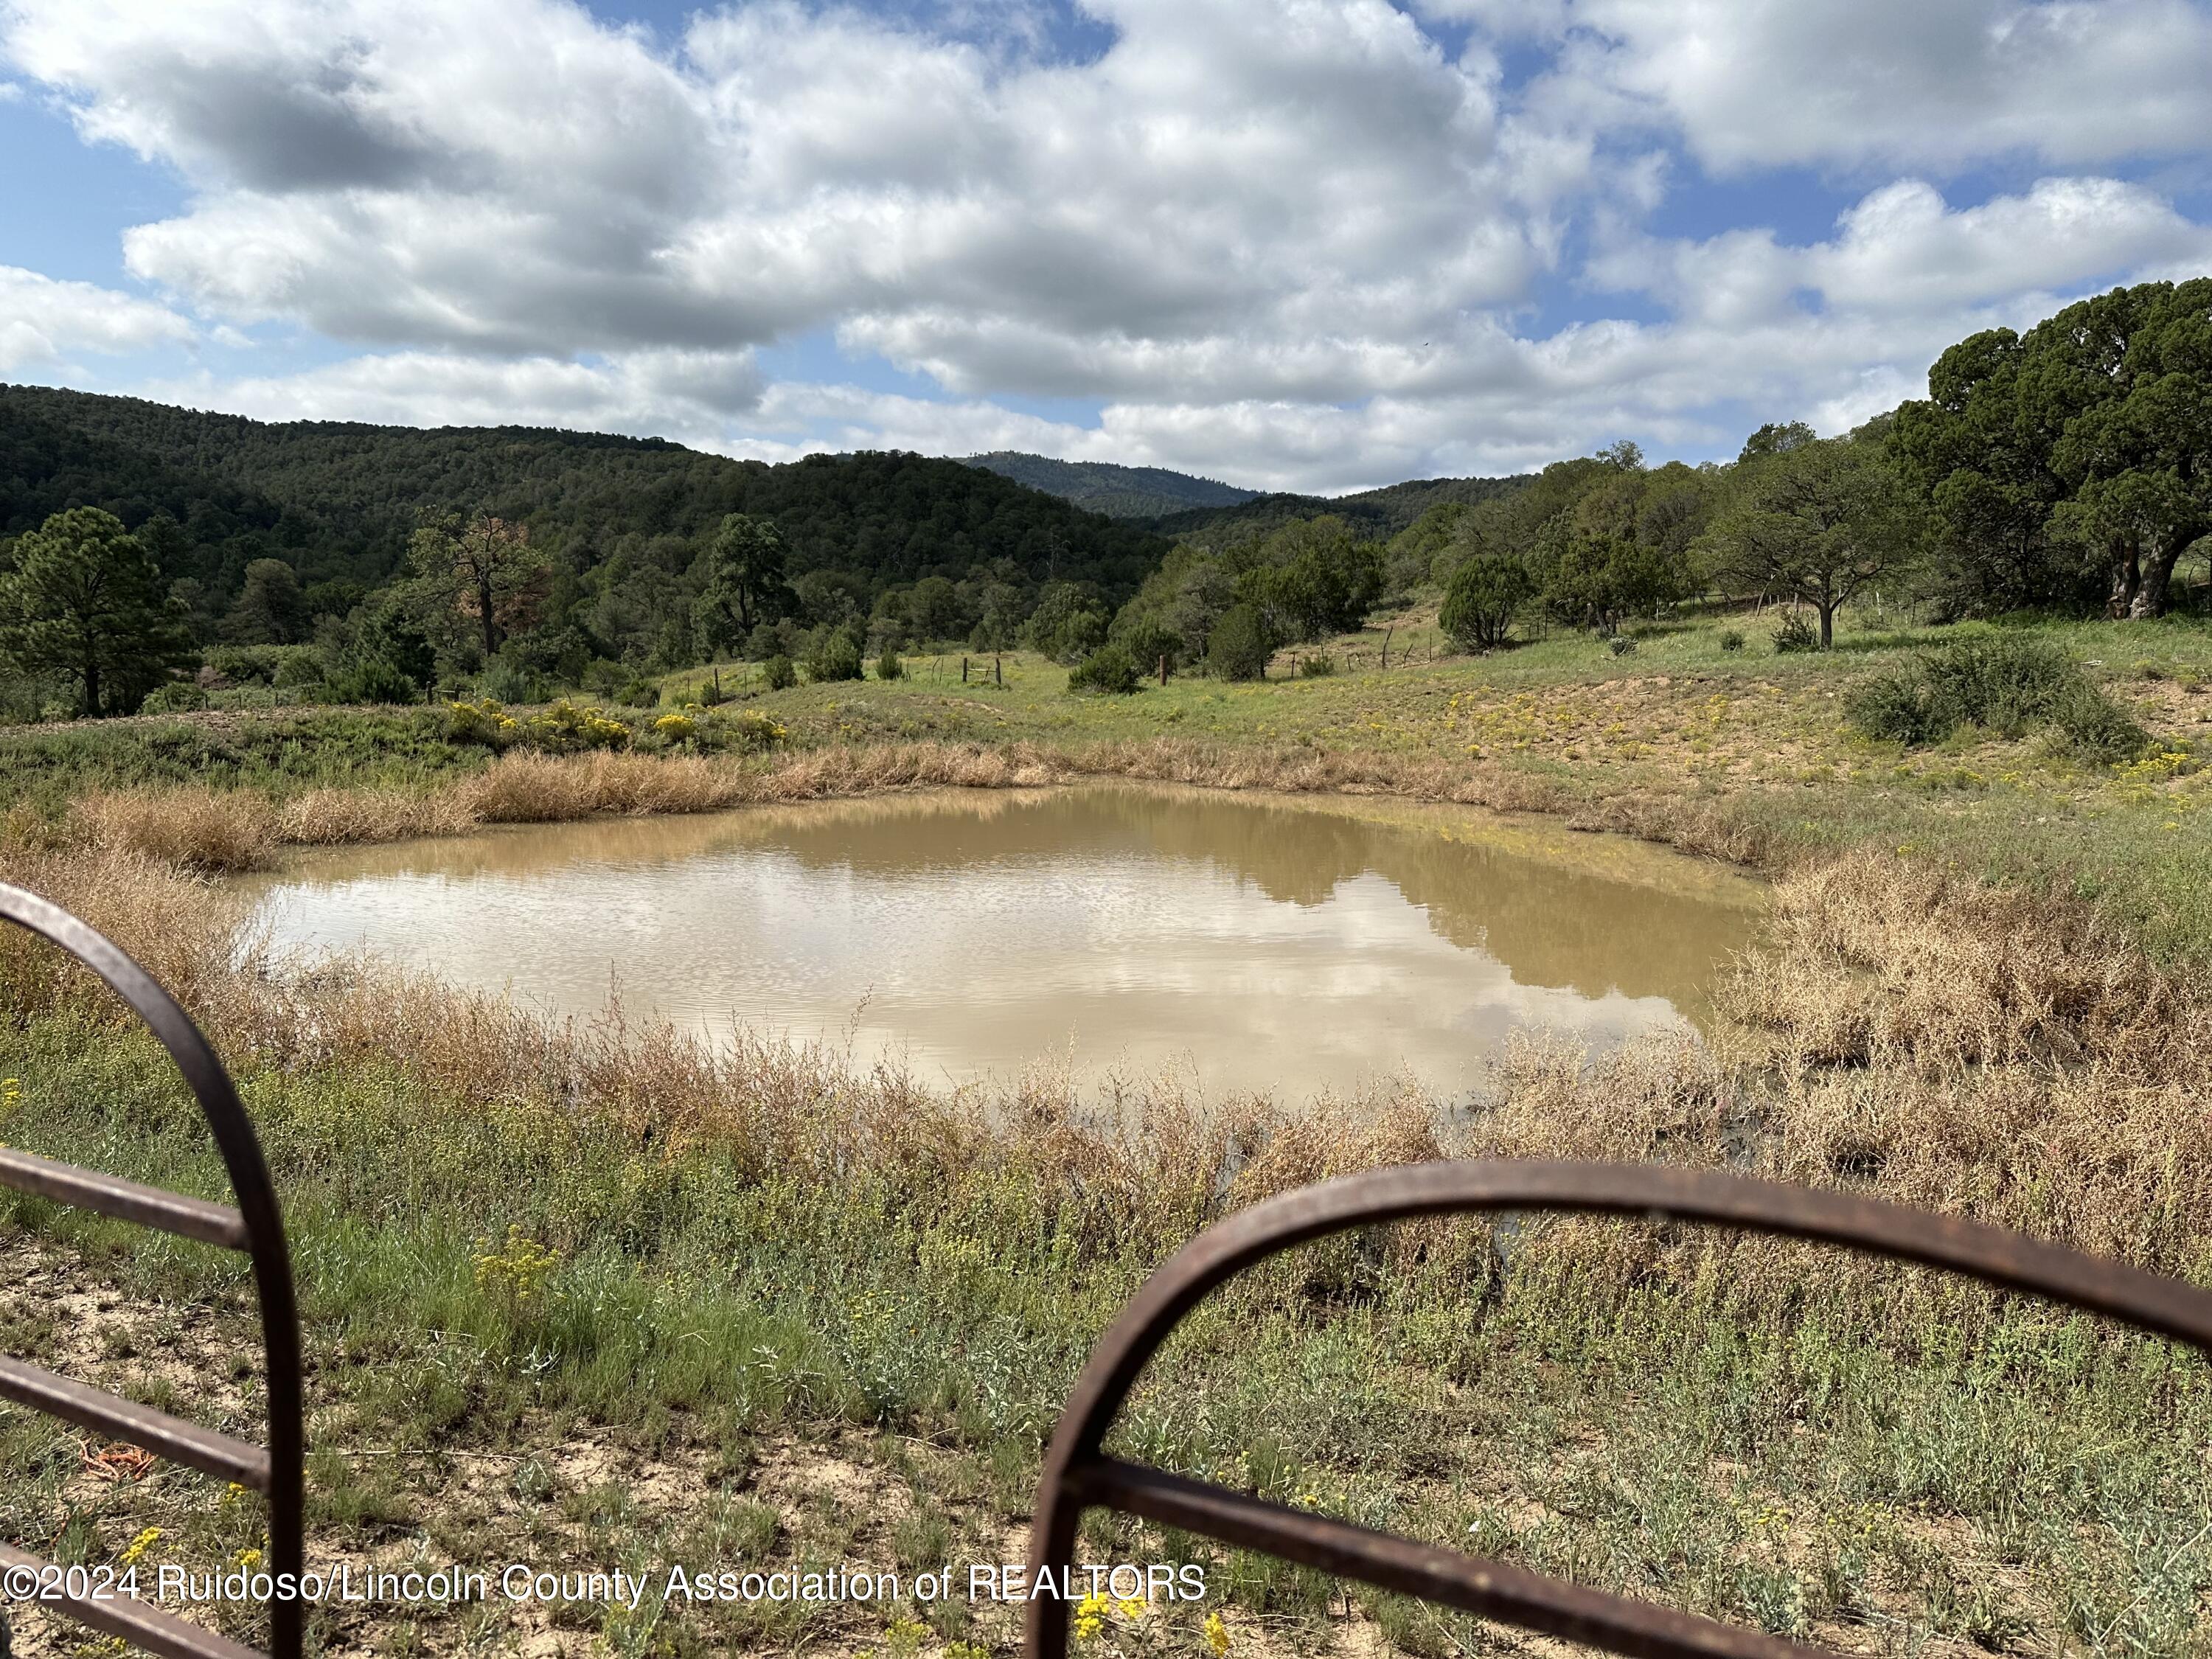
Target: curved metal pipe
column 265, row 1243
column 1076, row 1475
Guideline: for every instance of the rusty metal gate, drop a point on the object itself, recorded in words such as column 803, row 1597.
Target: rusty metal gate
column 1077, row 1475
column 253, row 1226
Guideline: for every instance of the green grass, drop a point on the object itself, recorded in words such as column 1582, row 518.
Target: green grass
column 278, row 752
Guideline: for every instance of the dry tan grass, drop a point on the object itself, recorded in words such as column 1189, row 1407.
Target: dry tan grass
column 202, row 830
column 179, row 929
column 324, row 817
column 1877, row 956
column 195, row 827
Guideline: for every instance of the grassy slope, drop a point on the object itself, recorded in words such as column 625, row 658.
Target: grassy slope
column 859, row 1368
column 1747, row 741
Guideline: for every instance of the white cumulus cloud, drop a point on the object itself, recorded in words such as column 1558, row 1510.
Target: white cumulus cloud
column 43, row 322
column 1758, row 83
column 1303, row 243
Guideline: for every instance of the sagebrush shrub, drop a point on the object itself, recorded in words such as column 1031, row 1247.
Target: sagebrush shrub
column 2005, row 682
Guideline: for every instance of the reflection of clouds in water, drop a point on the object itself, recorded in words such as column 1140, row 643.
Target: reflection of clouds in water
column 976, row 955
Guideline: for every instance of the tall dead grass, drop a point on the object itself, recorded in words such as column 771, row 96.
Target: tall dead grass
column 193, row 826
column 212, row 831
column 331, row 818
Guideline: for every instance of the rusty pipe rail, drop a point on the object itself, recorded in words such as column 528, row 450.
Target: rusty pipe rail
column 253, row 1226
column 1078, row 1475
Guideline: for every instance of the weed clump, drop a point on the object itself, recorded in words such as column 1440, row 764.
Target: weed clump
column 2008, row 683
column 484, row 722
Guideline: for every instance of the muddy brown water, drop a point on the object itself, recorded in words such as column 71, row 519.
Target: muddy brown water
column 1235, row 940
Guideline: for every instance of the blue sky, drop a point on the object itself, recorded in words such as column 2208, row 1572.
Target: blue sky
column 1308, row 244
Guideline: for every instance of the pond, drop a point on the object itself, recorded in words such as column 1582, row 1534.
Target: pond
column 1293, row 944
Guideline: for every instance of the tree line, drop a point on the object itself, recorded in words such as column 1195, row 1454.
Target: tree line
column 272, row 543
column 2068, row 468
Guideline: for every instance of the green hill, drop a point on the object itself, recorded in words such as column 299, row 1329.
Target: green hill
column 1119, row 492
column 336, row 501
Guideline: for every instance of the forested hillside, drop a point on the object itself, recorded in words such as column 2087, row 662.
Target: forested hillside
column 1119, row 492
column 343, row 497
column 617, row 528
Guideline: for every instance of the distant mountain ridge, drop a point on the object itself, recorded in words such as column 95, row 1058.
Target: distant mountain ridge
column 1118, row 492
column 1382, row 511
column 1178, row 503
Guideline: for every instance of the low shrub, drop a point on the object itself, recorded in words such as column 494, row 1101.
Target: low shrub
column 511, row 682
column 1794, row 634
column 1108, row 669
column 1731, row 639
column 1319, row 666
column 177, row 696
column 780, row 672
column 372, row 680
column 242, row 664
column 1146, row 642
column 836, row 658
column 483, row 721
column 889, row 667
column 297, row 666
column 2007, row 683
column 1240, row 645
column 1621, row 646
column 566, row 727
column 754, row 731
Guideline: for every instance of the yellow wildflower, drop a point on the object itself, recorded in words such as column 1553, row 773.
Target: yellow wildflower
column 136, row 1548
column 1217, row 1635
column 1089, row 1617
column 520, row 1268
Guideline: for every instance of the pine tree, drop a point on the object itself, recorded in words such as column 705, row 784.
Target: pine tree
column 84, row 599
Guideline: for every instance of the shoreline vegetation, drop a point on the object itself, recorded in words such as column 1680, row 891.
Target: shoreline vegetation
column 595, row 1289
